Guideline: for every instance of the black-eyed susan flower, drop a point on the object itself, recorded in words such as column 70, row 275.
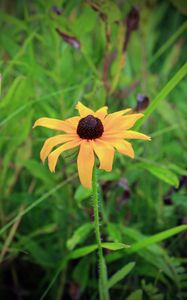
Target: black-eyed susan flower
column 95, row 133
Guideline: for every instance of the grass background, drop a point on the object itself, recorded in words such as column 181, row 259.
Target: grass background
column 46, row 236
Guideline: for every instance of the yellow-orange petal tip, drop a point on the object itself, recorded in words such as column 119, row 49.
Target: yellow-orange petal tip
column 36, row 123
column 78, row 104
column 141, row 115
column 148, row 138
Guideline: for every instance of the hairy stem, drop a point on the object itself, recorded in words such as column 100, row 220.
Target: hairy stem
column 103, row 289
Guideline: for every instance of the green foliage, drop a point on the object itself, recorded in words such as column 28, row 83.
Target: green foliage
column 120, row 274
column 46, row 219
column 136, row 295
column 114, row 246
column 79, row 235
column 162, row 173
column 82, row 251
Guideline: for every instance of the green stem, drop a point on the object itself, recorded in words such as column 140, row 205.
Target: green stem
column 103, row 289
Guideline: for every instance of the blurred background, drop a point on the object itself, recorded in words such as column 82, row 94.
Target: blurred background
column 115, row 53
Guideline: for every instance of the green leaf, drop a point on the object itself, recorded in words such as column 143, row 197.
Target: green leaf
column 82, row 193
column 79, row 235
column 136, row 295
column 156, row 238
column 114, row 246
column 81, row 272
column 111, row 10
column 89, row 249
column 178, row 169
column 119, row 275
column 149, row 252
column 82, row 251
column 162, row 173
column 114, row 232
column 47, row 229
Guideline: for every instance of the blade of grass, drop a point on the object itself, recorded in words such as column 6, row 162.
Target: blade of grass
column 146, row 242
column 120, row 274
column 168, row 43
column 0, row 84
column 172, row 83
column 156, row 238
column 90, row 62
column 54, row 278
column 11, row 234
column 19, row 54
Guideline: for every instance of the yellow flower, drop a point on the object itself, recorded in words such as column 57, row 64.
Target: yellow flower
column 95, row 133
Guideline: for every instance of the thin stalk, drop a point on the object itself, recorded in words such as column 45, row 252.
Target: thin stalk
column 103, row 289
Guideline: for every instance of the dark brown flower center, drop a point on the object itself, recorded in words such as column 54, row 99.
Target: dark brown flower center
column 90, row 128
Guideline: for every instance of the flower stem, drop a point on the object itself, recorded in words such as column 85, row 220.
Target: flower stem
column 103, row 289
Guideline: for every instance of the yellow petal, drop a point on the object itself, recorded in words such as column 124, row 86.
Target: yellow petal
column 52, row 142
column 122, row 123
column 105, row 153
column 122, row 146
column 115, row 115
column 101, row 113
column 111, row 136
column 85, row 163
column 54, row 124
column 83, row 110
column 119, row 113
column 74, row 121
column 53, row 157
column 130, row 134
column 126, row 134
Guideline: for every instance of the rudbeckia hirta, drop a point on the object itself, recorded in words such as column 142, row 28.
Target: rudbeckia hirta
column 95, row 133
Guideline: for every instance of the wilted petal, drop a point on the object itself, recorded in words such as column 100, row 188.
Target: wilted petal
column 142, row 102
column 71, row 40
